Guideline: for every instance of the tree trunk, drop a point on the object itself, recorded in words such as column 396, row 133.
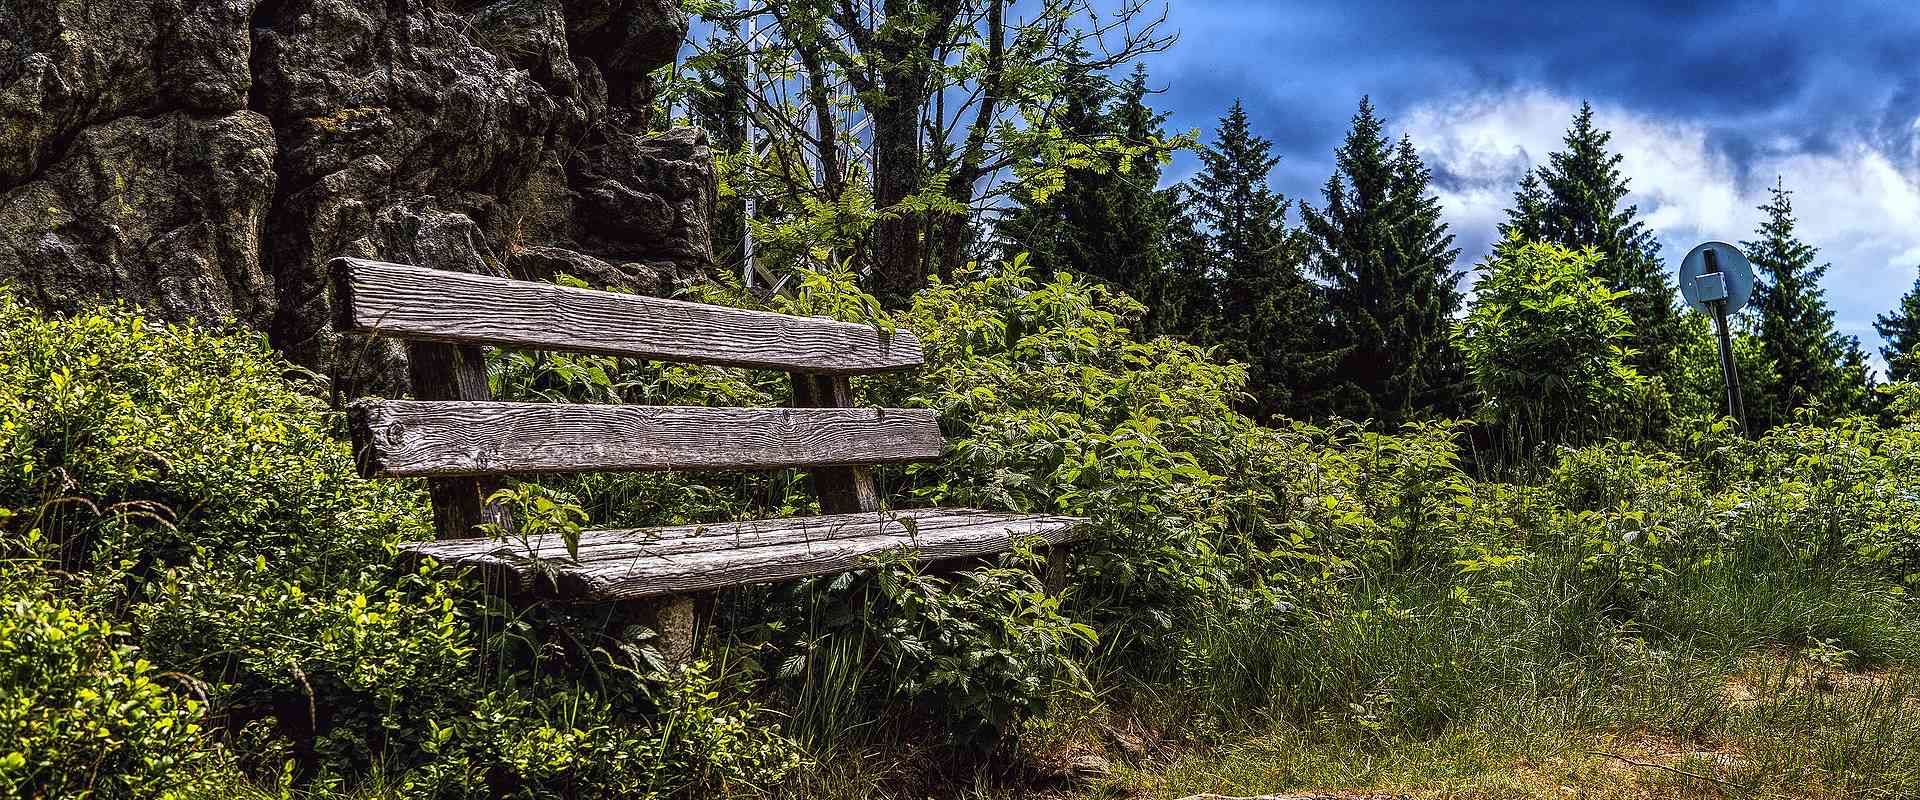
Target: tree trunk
column 899, row 269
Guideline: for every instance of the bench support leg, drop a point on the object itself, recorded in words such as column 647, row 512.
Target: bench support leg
column 681, row 621
column 1055, row 577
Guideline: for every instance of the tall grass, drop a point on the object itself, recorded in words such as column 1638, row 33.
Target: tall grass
column 1794, row 679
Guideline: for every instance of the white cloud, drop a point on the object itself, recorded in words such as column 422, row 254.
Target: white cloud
column 1860, row 206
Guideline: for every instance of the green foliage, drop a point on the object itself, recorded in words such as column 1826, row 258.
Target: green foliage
column 994, row 82
column 1698, row 387
column 137, row 447
column 982, row 649
column 1545, row 345
column 1576, row 201
column 1811, row 359
column 1050, row 405
column 195, row 494
column 1106, row 220
column 82, row 713
column 1900, row 328
column 566, row 741
column 1269, row 315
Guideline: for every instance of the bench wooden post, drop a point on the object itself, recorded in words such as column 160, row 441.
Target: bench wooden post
column 456, row 372
column 842, row 490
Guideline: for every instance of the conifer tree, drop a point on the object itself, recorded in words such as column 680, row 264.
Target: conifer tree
column 1064, row 230
column 1108, row 219
column 1815, row 364
column 1384, row 254
column 1436, row 298
column 1527, row 220
column 1183, row 295
column 1901, row 330
column 1577, row 201
column 1270, row 314
column 1139, row 217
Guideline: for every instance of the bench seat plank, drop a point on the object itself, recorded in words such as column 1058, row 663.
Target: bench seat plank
column 636, row 563
column 383, row 299
column 404, row 438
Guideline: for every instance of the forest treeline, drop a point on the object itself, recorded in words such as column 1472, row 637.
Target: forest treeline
column 1041, row 138
column 1353, row 310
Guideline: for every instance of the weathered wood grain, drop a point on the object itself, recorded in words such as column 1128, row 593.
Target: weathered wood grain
column 441, row 371
column 629, row 564
column 379, row 298
column 417, row 438
column 680, row 539
column 841, row 490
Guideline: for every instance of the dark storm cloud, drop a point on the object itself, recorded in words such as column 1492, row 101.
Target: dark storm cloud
column 1756, row 74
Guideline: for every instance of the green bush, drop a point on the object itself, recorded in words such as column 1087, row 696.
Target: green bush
column 1544, row 343
column 82, row 713
column 1052, row 405
column 195, row 491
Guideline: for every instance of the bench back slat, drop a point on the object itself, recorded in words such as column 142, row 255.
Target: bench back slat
column 376, row 297
column 400, row 438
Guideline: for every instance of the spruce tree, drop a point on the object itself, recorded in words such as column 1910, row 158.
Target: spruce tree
column 1815, row 364
column 1384, row 254
column 1065, row 229
column 1527, row 220
column 1577, row 201
column 1901, row 330
column 1183, row 296
column 1137, row 215
column 1270, row 314
column 1108, row 220
column 1436, row 298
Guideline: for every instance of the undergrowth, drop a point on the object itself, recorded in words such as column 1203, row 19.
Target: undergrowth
column 1259, row 607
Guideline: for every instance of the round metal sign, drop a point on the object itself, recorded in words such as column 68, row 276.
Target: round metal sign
column 1716, row 271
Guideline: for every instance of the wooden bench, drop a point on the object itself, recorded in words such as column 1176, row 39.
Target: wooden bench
column 460, row 441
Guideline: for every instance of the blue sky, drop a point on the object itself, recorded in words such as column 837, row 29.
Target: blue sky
column 1708, row 102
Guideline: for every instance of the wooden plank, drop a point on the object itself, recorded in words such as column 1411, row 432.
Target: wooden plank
column 453, row 372
column 841, row 490
column 414, row 438
column 681, row 539
column 635, row 571
column 379, row 298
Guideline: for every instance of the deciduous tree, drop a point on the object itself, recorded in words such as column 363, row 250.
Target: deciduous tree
column 960, row 100
column 1578, row 200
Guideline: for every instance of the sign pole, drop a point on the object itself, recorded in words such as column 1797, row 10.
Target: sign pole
column 1736, row 406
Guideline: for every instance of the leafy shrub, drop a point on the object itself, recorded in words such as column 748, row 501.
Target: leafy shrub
column 1699, row 388
column 194, row 488
column 542, row 741
column 983, row 648
column 139, row 446
column 1544, row 344
column 81, row 712
column 1052, row 405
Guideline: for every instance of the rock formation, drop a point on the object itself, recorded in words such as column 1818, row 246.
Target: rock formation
column 206, row 158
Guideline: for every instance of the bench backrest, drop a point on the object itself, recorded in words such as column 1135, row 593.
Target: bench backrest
column 459, row 439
